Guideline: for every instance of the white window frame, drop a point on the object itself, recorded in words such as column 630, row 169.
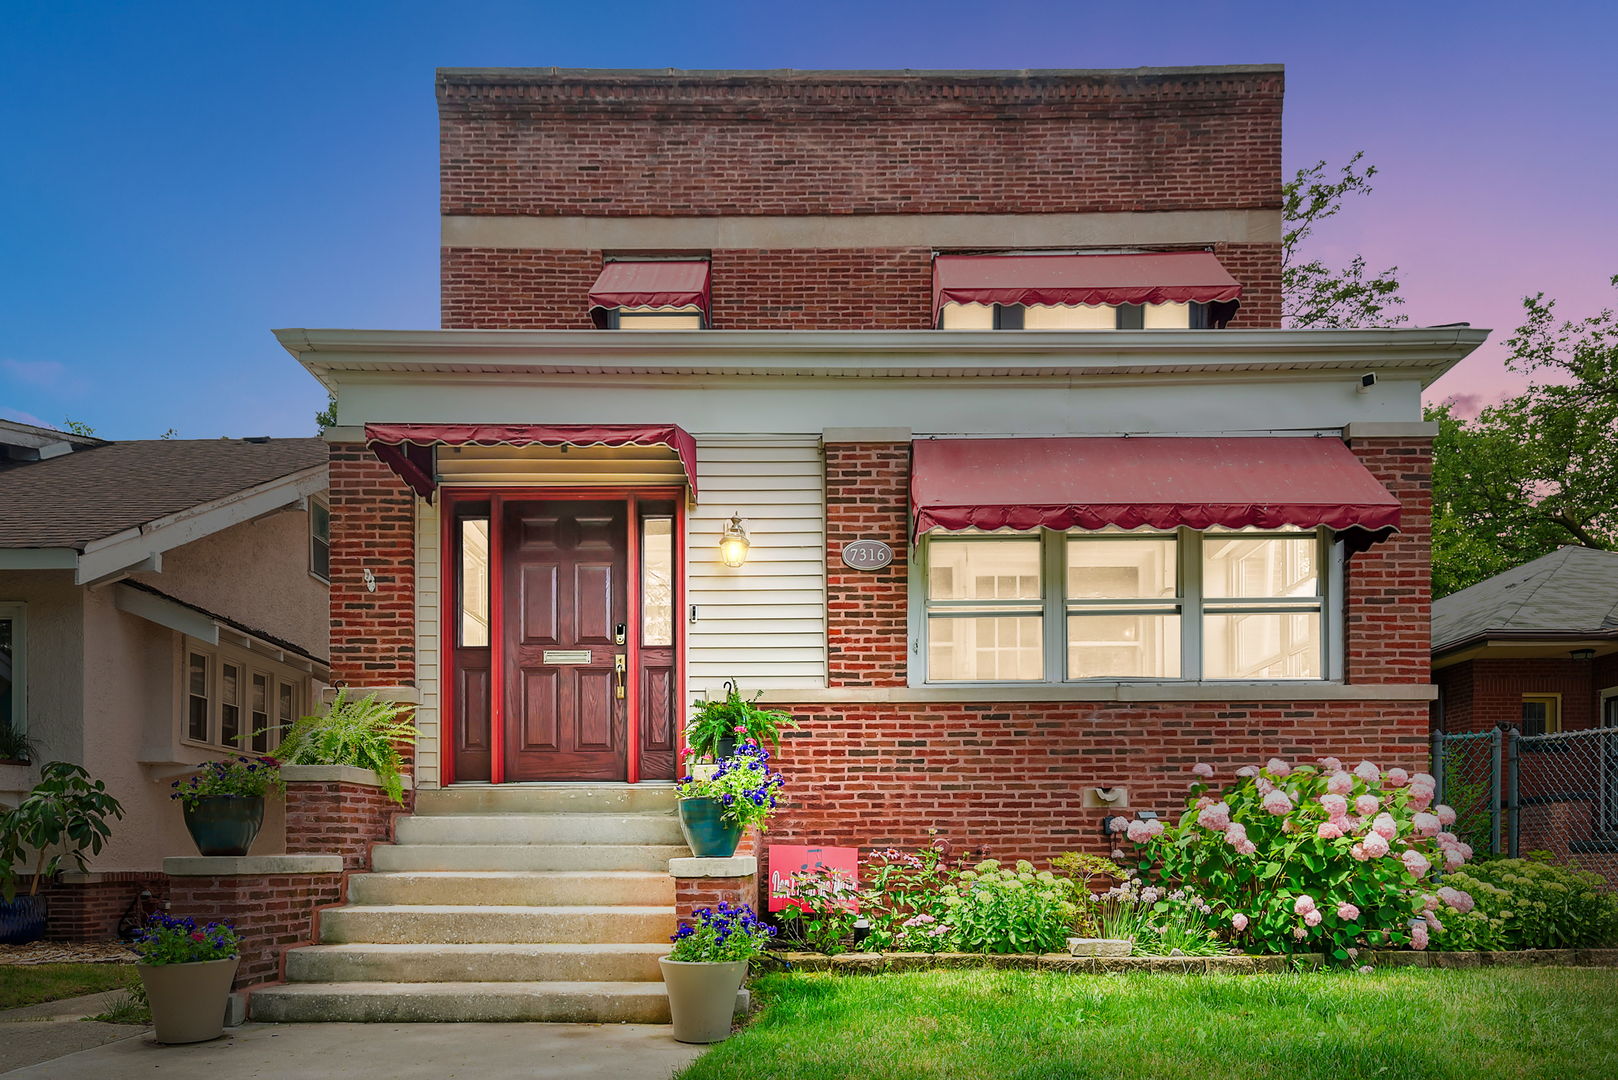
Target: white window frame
column 1190, row 604
column 17, row 613
column 250, row 664
column 324, row 504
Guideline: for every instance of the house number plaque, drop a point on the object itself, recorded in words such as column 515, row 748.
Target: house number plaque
column 866, row 554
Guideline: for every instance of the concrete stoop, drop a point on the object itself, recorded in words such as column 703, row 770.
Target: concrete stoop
column 519, row 903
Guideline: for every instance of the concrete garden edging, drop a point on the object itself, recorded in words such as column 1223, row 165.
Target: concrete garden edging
column 885, row 963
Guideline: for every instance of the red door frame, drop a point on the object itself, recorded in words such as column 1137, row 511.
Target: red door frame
column 449, row 600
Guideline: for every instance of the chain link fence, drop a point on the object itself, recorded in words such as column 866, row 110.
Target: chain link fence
column 1516, row 793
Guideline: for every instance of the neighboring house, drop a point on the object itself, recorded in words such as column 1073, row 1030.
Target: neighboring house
column 1535, row 647
column 162, row 603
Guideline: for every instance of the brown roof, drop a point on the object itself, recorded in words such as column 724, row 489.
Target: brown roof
column 70, row 500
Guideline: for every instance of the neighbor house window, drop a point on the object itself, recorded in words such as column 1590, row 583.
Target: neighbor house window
column 1079, row 317
column 238, row 700
column 13, row 686
column 1541, row 714
column 1051, row 607
column 320, row 539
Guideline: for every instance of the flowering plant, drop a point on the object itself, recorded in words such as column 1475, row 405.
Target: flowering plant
column 733, row 717
column 903, row 901
column 992, row 909
column 1083, row 869
column 166, row 940
column 744, row 785
column 241, row 776
column 1311, row 857
column 1527, row 904
column 720, row 937
column 826, row 903
column 1160, row 922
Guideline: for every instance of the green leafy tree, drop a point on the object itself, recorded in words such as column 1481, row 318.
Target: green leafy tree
column 1314, row 294
column 78, row 427
column 327, row 417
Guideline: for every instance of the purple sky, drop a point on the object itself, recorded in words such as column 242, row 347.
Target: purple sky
column 180, row 178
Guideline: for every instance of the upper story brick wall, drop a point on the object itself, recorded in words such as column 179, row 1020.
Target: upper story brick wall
column 542, row 142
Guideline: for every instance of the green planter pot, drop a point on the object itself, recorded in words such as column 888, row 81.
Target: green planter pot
column 702, row 998
column 225, row 824
column 707, row 833
column 188, row 1000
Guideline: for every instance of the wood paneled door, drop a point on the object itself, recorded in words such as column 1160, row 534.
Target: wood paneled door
column 564, row 653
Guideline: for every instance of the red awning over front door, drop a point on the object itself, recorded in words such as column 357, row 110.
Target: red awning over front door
column 1065, row 280
column 1160, row 483
column 657, row 284
column 408, row 449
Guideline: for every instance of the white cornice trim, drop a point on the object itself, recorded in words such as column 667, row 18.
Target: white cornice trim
column 60, row 558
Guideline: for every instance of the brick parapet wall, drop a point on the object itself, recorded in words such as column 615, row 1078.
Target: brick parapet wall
column 867, row 629
column 691, row 894
column 1388, row 607
column 92, row 911
column 271, row 913
column 539, row 144
column 373, row 634
column 337, row 818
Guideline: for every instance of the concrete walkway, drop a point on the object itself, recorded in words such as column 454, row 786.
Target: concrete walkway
column 36, row 1033
column 396, row 1051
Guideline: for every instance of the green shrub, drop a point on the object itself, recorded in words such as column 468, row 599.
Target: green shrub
column 1531, row 903
column 365, row 734
column 1083, row 870
column 990, row 909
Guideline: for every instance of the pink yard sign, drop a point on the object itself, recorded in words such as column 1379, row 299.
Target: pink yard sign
column 788, row 859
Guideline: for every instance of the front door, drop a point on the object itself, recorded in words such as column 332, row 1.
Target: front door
column 564, row 619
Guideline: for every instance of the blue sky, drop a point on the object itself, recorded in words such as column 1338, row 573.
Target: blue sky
column 178, row 179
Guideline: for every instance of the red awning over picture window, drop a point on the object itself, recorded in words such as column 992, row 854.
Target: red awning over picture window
column 1066, row 280
column 1160, row 483
column 661, row 284
column 408, row 449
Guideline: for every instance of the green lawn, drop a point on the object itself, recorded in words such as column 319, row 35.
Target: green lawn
column 29, row 984
column 1407, row 1024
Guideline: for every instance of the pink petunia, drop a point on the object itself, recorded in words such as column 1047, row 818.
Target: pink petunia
column 1385, row 827
column 1347, row 912
column 1328, row 830
column 1426, row 824
column 1397, row 778
column 1303, row 904
column 1278, row 768
column 1202, row 769
column 1367, row 772
column 1339, row 783
column 1313, row 918
column 1375, row 845
column 1334, row 805
column 1416, row 862
column 1277, row 803
column 1238, row 922
column 1367, row 804
column 1446, row 814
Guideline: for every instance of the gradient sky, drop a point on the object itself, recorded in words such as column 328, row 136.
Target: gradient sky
column 177, row 179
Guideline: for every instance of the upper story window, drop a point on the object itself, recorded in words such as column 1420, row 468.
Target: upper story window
column 239, row 701
column 1061, row 607
column 1167, row 316
column 651, row 294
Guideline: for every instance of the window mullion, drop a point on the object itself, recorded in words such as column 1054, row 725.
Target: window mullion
column 1191, row 604
column 1054, row 592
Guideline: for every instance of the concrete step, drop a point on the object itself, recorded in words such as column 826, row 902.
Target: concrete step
column 540, row 829
column 547, row 799
column 431, row 924
column 513, row 887
column 558, row 1002
column 488, row 963
column 406, row 857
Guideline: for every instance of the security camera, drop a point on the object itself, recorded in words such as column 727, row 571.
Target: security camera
column 1367, row 381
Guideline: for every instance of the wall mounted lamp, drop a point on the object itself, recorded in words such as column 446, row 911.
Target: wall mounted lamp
column 733, row 542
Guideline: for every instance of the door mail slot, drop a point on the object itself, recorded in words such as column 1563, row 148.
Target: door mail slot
column 566, row 656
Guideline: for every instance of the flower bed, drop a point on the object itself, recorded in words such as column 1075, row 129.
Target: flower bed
column 865, row 963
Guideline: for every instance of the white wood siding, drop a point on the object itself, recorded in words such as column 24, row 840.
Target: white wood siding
column 764, row 623
column 427, row 624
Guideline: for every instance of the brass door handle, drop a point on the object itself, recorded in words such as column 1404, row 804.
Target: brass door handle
column 618, row 667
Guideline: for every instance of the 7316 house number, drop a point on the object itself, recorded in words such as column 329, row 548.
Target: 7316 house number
column 866, row 554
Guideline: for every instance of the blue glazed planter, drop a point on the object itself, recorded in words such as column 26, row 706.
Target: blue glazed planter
column 225, row 824
column 708, row 834
column 22, row 920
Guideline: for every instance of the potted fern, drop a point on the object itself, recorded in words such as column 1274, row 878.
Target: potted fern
column 719, row 725
column 364, row 734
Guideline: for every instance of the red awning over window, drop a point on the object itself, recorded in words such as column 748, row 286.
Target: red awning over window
column 1161, row 483
column 1066, row 280
column 665, row 284
column 407, row 449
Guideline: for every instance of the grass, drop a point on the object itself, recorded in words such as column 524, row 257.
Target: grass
column 30, row 984
column 132, row 1008
column 1407, row 1024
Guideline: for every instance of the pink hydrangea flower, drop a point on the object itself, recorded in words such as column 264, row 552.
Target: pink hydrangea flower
column 1385, row 827
column 1453, row 860
column 1277, row 767
column 1300, row 933
column 1432, row 921
column 1376, row 845
column 1347, row 912
column 1359, row 852
column 1313, row 918
column 1335, row 805
column 1247, row 770
column 1138, row 832
column 1457, row 899
column 1328, row 830
column 1264, row 785
column 1420, row 798
column 1235, row 833
column 1203, row 801
column 1202, row 769
column 1238, row 922
column 1367, row 804
column 1215, row 817
column 1277, row 803
column 1331, row 764
column 1424, row 779
column 1426, row 824
column 1397, row 778
column 1446, row 814
column 1418, row 936
column 1427, row 903
column 1303, row 904
column 1416, row 862
column 1339, row 783
column 1367, row 772
column 1247, row 847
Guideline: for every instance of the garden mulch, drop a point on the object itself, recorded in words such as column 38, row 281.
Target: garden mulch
column 880, row 963
column 63, row 952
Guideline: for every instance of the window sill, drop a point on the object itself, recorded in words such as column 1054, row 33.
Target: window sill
column 1128, row 691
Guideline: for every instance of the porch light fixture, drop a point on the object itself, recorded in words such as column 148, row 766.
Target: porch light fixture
column 733, row 542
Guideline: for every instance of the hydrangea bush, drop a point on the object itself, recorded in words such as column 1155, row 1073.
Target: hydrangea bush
column 1527, row 904
column 1309, row 857
column 744, row 785
column 1017, row 909
column 731, row 933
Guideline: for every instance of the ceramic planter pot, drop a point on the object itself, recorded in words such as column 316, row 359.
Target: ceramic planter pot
column 706, row 831
column 702, row 998
column 225, row 824
column 22, row 920
column 188, row 1000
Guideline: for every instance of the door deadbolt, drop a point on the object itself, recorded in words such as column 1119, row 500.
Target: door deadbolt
column 618, row 634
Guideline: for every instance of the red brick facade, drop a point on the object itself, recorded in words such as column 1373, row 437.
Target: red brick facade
column 334, row 818
column 271, row 913
column 1480, row 694
column 691, row 894
column 1388, row 617
column 373, row 527
column 92, row 911
column 867, row 498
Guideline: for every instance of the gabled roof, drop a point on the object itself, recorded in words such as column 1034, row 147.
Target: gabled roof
column 1571, row 591
column 97, row 492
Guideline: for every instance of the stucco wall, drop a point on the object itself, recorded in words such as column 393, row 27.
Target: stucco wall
column 54, row 618
column 258, row 574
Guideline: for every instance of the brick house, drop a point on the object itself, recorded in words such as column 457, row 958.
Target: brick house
column 1018, row 329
